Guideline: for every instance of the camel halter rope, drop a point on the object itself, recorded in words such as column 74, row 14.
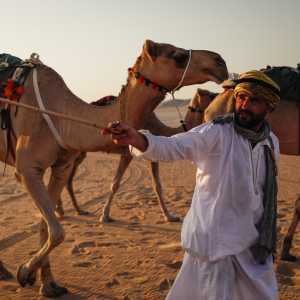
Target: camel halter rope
column 178, row 87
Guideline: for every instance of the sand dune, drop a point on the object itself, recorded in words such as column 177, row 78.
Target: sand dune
column 138, row 255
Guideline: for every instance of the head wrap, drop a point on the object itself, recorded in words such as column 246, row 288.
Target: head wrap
column 257, row 84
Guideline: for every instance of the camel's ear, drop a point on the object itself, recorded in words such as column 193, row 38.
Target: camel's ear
column 150, row 50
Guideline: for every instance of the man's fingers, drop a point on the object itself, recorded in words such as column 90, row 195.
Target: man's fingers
column 119, row 136
column 115, row 124
column 105, row 131
column 114, row 127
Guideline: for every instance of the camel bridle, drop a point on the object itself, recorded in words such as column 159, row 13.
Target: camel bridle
column 183, row 124
column 144, row 80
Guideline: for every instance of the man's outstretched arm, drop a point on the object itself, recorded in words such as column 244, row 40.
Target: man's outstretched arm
column 124, row 135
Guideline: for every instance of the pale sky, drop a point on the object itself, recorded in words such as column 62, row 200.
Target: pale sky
column 91, row 43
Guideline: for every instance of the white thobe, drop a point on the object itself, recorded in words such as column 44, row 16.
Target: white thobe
column 227, row 202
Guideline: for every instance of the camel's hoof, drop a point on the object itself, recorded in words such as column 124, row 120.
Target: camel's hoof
column 4, row 273
column 24, row 277
column 172, row 218
column 289, row 257
column 82, row 212
column 106, row 219
column 52, row 290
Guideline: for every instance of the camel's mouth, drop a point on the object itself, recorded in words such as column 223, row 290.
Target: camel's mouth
column 218, row 78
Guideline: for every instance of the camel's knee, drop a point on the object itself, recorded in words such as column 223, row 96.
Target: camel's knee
column 115, row 186
column 57, row 235
column 297, row 206
column 27, row 174
column 26, row 169
column 18, row 177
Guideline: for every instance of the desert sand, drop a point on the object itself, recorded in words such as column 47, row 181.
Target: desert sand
column 138, row 255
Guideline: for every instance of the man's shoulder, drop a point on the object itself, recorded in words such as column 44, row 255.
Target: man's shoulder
column 213, row 129
column 224, row 119
column 206, row 127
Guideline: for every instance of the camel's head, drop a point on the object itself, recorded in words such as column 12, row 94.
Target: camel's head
column 222, row 104
column 165, row 65
column 197, row 106
column 203, row 98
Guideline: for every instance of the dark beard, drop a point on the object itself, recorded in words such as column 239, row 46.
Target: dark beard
column 248, row 119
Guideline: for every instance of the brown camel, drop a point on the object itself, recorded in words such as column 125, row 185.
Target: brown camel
column 194, row 117
column 38, row 147
column 286, row 113
column 287, row 242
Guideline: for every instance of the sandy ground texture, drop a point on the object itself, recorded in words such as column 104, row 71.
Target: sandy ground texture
column 138, row 255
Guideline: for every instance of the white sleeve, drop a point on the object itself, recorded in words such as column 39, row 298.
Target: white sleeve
column 192, row 145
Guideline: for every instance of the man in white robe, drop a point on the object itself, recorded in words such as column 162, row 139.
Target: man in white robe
column 221, row 229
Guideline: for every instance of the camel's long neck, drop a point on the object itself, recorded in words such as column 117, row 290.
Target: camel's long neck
column 191, row 120
column 136, row 99
column 157, row 127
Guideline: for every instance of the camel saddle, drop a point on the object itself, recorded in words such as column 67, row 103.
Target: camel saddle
column 104, row 101
column 13, row 73
column 288, row 78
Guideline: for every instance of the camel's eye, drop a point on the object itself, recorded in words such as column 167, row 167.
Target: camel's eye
column 181, row 58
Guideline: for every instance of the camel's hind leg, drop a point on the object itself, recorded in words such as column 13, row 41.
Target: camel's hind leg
column 70, row 189
column 287, row 243
column 72, row 171
column 4, row 273
column 124, row 162
column 158, row 191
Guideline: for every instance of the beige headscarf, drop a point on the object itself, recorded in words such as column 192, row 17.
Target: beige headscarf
column 256, row 83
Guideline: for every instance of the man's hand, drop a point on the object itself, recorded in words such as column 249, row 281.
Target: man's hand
column 124, row 135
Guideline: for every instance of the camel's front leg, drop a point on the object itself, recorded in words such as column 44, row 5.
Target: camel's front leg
column 60, row 173
column 124, row 162
column 49, row 287
column 32, row 179
column 158, row 191
column 287, row 243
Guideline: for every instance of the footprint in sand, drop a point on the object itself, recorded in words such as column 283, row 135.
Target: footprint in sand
column 92, row 233
column 84, row 264
column 112, row 282
column 123, row 274
column 83, row 247
column 107, row 244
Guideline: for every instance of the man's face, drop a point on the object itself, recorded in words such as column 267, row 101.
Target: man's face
column 250, row 111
